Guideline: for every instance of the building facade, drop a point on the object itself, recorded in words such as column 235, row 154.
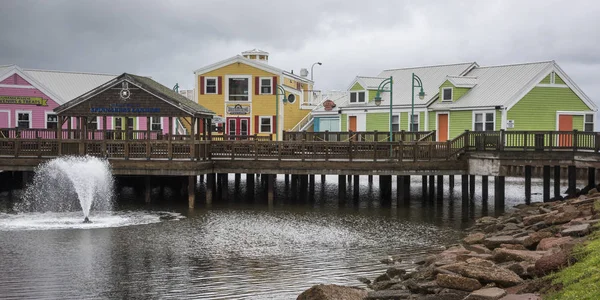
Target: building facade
column 459, row 97
column 252, row 97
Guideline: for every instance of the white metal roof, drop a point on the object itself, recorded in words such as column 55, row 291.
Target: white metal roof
column 498, row 85
column 68, row 85
column 369, row 83
column 463, row 81
column 431, row 76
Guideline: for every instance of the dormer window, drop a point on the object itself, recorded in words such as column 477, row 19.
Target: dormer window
column 357, row 97
column 447, row 94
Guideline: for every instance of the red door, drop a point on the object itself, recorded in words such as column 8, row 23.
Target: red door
column 565, row 123
column 352, row 123
column 237, row 126
column 442, row 127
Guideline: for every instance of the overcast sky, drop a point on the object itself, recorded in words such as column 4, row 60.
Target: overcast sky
column 168, row 40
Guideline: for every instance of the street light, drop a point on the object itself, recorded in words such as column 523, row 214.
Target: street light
column 278, row 92
column 311, row 69
column 378, row 98
column 421, row 96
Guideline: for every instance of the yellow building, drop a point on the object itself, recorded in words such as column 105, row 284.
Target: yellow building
column 243, row 90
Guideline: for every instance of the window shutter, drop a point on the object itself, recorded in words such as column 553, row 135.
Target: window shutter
column 298, row 85
column 220, row 85
column 273, row 89
column 256, row 124
column 256, row 85
column 273, row 124
column 201, row 85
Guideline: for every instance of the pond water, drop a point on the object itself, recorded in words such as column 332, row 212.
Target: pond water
column 239, row 247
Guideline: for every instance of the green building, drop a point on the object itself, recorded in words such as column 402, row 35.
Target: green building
column 466, row 96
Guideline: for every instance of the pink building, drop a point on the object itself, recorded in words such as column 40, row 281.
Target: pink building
column 28, row 98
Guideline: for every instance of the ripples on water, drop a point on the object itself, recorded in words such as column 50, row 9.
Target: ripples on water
column 239, row 248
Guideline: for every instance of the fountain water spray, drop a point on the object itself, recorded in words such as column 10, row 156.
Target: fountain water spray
column 70, row 183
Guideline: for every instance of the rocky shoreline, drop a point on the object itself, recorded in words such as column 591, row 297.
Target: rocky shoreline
column 501, row 258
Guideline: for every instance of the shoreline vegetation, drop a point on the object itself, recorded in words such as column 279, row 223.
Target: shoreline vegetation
column 543, row 250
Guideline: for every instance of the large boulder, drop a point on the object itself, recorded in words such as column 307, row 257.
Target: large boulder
column 563, row 217
column 530, row 220
column 532, row 240
column 504, row 255
column 388, row 294
column 553, row 242
column 474, row 238
column 577, row 230
column 495, row 241
column 552, row 262
column 332, row 292
column 487, row 294
column 486, row 274
column 457, row 282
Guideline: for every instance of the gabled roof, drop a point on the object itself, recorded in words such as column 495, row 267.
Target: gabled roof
column 251, row 62
column 150, row 86
column 431, row 76
column 505, row 85
column 369, row 83
column 463, row 81
column 61, row 86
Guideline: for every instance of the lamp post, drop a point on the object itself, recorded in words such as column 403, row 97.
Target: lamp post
column 377, row 98
column 279, row 91
column 311, row 69
column 418, row 84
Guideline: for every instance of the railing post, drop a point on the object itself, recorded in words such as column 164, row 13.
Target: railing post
column 255, row 148
column 232, row 150
column 326, row 151
column 402, row 135
column 326, row 136
column 375, row 136
column 525, row 141
column 17, row 147
column 39, row 144
column 104, row 152
column 430, row 151
column 501, row 140
column 375, row 147
column 448, row 150
column 350, row 149
column 596, row 142
column 575, row 139
column 401, row 150
column 304, row 135
column 467, row 136
column 303, row 147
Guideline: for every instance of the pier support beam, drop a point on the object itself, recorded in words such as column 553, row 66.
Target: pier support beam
column 224, row 179
column 191, row 191
column 286, row 178
column 546, row 175
column 210, row 187
column 147, row 188
column 572, row 174
column 451, row 182
column 406, row 189
column 342, row 188
column 591, row 177
column 431, row 187
column 323, row 178
column 464, row 182
column 484, row 188
column 471, row 186
column 270, row 188
column 499, row 193
column 250, row 186
column 356, row 187
column 385, row 188
column 424, row 187
column 370, row 177
column 527, row 185
column 440, row 188
column 557, row 182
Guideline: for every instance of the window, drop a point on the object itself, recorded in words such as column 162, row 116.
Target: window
column 395, row 123
column 210, row 85
column 51, row 121
column 415, row 123
column 265, row 125
column 118, row 123
column 484, row 122
column 238, row 89
column 265, row 85
column 589, row 122
column 156, row 123
column 447, row 94
column 357, row 97
column 24, row 120
column 93, row 123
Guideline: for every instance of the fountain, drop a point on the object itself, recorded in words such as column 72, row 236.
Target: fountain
column 68, row 184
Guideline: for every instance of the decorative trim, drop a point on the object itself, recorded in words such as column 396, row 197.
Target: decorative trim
column 551, row 85
column 17, row 86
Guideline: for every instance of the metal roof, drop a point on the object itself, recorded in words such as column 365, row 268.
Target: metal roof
column 431, row 76
column 68, row 85
column 463, row 81
column 370, row 83
column 498, row 85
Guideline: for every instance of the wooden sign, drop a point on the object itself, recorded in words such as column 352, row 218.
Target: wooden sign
column 38, row 101
column 238, row 110
column 328, row 105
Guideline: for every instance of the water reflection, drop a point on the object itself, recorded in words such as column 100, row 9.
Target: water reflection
column 240, row 247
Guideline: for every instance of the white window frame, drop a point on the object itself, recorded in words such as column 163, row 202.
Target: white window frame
column 399, row 122
column 260, row 118
column 484, row 112
column 250, row 88
column 593, row 121
column 206, row 85
column 260, row 85
column 97, row 122
column 17, row 112
column 46, row 113
column 364, row 92
column 451, row 94
column 418, row 114
column 8, row 113
column 161, row 123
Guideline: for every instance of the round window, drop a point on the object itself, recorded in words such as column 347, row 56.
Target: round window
column 291, row 98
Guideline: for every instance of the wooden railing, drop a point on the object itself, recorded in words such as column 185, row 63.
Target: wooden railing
column 358, row 136
column 355, row 147
column 225, row 137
